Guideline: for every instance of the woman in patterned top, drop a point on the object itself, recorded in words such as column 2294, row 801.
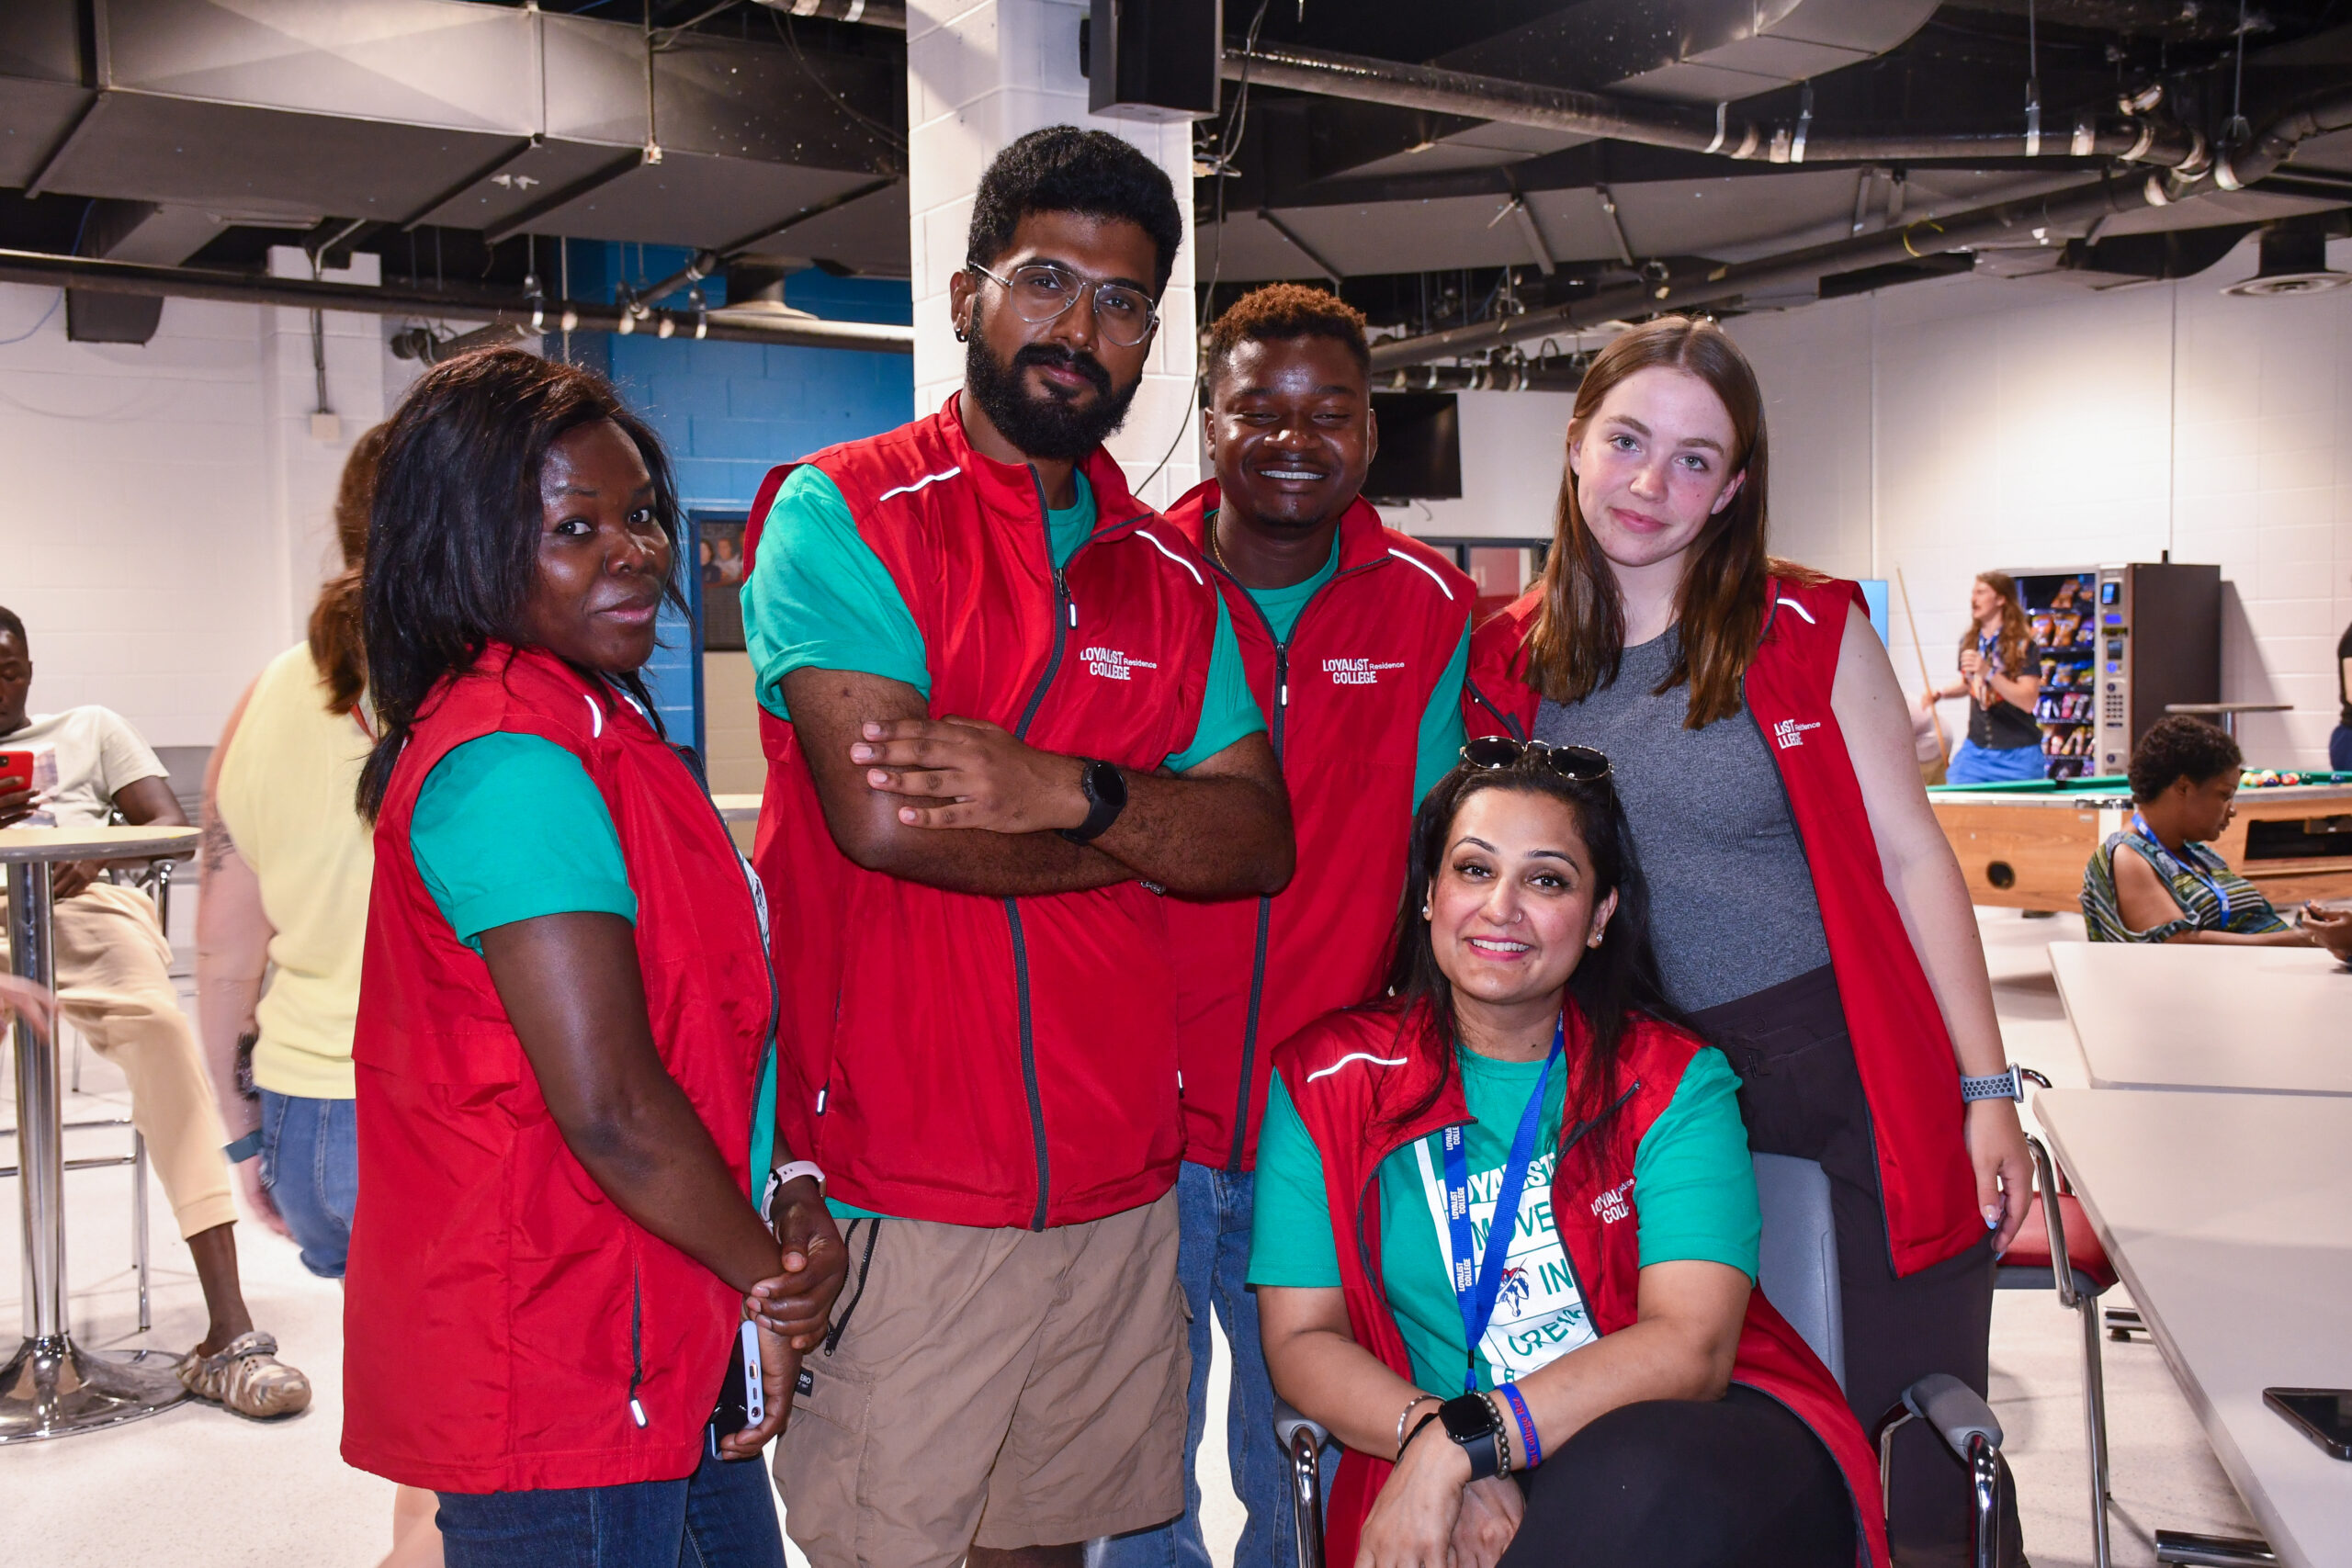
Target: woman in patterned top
column 2157, row 881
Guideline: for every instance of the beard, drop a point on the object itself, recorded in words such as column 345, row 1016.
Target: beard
column 1048, row 424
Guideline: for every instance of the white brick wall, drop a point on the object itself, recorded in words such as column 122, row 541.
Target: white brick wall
column 1951, row 426
column 981, row 73
column 165, row 521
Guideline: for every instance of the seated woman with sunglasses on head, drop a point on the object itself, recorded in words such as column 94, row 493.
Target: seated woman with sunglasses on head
column 1565, row 1185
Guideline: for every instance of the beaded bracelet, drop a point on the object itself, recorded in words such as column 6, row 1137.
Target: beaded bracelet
column 1502, row 1436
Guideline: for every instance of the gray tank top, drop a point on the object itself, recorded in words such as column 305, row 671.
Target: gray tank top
column 1732, row 903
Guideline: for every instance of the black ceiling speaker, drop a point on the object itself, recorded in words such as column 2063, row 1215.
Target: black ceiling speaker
column 1153, row 59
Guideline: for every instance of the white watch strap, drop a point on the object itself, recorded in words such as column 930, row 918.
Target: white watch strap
column 791, row 1171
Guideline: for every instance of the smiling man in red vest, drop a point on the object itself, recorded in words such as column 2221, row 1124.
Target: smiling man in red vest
column 1004, row 715
column 1355, row 639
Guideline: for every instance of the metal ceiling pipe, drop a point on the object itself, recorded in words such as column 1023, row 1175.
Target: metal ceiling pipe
column 498, row 310
column 891, row 14
column 2133, row 137
column 2044, row 216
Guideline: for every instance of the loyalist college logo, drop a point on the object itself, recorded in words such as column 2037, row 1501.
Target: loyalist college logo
column 1359, row 672
column 1112, row 665
column 1789, row 732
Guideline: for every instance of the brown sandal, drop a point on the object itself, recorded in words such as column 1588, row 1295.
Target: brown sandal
column 247, row 1377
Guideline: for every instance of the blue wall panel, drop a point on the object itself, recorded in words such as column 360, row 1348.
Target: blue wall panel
column 729, row 412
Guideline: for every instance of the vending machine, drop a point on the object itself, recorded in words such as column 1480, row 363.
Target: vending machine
column 2117, row 644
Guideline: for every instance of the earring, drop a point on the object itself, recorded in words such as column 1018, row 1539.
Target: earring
column 963, row 334
column 1424, row 911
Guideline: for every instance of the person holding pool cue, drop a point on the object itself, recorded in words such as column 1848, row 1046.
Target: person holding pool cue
column 563, row 1058
column 1999, row 678
column 1808, row 913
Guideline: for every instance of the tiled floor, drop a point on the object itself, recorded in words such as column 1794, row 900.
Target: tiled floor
column 201, row 1489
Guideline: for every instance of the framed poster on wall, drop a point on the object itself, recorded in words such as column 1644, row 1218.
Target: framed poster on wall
column 719, row 585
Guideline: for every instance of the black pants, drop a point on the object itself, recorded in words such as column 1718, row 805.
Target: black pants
column 1734, row 1482
column 1800, row 1096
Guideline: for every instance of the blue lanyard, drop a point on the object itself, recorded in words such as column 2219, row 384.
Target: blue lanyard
column 2210, row 883
column 1478, row 1282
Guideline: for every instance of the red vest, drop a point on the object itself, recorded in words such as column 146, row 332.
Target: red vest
column 502, row 1314
column 950, row 1056
column 1343, row 701
column 1349, row 1075
column 1901, row 1047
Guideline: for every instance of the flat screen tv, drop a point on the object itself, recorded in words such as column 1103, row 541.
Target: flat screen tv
column 1420, row 448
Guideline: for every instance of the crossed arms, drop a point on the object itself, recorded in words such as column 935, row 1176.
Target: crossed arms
column 961, row 805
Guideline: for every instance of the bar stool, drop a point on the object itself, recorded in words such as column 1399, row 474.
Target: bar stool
column 137, row 1160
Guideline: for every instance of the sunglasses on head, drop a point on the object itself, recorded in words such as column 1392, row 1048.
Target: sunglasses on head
column 1492, row 753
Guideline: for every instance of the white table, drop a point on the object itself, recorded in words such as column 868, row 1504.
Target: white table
column 2230, row 1218
column 2261, row 1019
column 52, row 1386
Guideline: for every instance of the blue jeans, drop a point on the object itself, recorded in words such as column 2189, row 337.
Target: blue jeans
column 1971, row 763
column 723, row 1515
column 1212, row 1210
column 309, row 1163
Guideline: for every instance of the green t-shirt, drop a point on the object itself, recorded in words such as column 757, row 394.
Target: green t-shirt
column 1694, row 1196
column 819, row 598
column 510, row 827
column 1438, row 747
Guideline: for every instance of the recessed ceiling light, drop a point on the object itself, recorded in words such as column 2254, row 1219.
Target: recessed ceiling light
column 2294, row 261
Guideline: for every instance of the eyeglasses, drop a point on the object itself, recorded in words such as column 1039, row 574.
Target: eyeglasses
column 1493, row 753
column 1040, row 292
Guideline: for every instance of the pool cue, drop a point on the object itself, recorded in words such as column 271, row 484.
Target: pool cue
column 1920, row 651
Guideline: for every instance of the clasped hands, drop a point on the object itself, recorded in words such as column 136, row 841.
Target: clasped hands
column 1430, row 1514
column 792, row 1309
column 968, row 772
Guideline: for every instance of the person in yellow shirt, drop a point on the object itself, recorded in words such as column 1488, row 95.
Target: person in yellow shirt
column 287, row 865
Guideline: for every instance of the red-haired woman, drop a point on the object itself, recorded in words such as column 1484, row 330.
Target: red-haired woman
column 2000, row 680
column 1809, row 915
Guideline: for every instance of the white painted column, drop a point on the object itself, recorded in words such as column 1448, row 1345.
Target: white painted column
column 305, row 459
column 981, row 73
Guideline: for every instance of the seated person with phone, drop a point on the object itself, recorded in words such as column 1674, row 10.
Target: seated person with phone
column 113, row 983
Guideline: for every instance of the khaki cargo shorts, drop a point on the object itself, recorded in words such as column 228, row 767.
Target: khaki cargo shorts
column 997, row 1388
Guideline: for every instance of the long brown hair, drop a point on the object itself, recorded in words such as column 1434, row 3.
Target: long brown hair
column 1578, row 638
column 2015, row 646
column 336, row 646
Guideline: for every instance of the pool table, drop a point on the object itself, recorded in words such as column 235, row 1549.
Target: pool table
column 2023, row 846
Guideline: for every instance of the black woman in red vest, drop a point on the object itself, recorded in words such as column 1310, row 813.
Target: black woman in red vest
column 1505, row 1229
column 564, row 1055
column 1809, row 915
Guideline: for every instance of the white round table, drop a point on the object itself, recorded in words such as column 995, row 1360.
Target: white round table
column 52, row 1386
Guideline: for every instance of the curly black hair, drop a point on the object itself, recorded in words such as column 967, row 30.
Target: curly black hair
column 9, row 623
column 1280, row 312
column 1064, row 169
column 2180, row 747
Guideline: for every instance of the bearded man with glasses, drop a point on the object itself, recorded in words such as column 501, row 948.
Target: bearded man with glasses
column 1004, row 715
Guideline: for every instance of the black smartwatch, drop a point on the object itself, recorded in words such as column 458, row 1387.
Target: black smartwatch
column 1472, row 1423
column 1107, row 796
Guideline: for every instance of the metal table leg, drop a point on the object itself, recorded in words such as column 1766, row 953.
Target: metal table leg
column 52, row 1386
